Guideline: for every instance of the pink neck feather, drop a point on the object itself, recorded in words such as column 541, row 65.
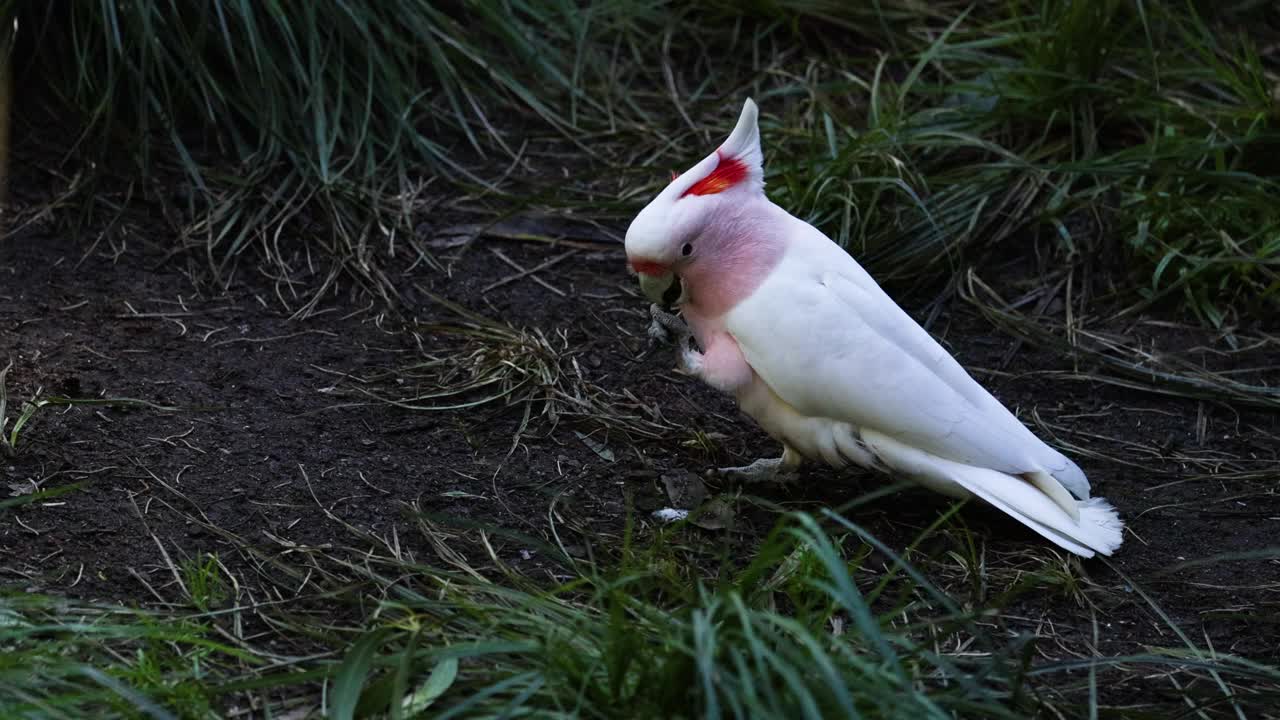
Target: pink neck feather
column 741, row 246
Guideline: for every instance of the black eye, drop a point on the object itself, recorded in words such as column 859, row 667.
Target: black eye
column 687, row 250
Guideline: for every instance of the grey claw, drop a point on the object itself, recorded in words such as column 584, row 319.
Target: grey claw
column 771, row 470
column 665, row 326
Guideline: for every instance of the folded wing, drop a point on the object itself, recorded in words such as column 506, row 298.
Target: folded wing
column 832, row 344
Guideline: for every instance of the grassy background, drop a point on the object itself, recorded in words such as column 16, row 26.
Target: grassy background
column 1139, row 141
column 916, row 134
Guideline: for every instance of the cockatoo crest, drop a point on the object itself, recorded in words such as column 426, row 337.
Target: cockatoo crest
column 658, row 240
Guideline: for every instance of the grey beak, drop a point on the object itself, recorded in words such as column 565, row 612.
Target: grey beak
column 662, row 289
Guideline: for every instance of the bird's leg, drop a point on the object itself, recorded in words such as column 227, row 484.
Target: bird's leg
column 780, row 470
column 720, row 364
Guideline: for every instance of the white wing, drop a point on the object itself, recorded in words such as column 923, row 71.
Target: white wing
column 831, row 343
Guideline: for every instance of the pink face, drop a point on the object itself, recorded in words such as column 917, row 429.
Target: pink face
column 721, row 240
column 740, row 244
column 678, row 215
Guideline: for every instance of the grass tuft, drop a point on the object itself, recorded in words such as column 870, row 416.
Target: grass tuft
column 918, row 137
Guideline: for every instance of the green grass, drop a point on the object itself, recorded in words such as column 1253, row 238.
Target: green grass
column 1144, row 118
column 203, row 581
column 66, row 659
column 789, row 633
column 918, row 135
column 278, row 112
column 11, row 426
column 15, row 425
column 823, row 621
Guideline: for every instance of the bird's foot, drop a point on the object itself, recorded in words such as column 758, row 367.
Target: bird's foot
column 765, row 470
column 667, row 327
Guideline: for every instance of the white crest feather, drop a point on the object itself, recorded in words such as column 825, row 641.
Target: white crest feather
column 744, row 142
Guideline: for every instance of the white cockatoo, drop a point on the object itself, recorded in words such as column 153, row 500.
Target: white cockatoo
column 816, row 352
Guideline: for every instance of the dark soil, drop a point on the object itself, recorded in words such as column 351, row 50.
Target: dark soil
column 271, row 434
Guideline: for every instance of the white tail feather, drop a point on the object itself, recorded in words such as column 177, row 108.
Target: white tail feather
column 1050, row 486
column 1098, row 528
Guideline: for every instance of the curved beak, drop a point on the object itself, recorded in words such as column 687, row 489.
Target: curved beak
column 656, row 287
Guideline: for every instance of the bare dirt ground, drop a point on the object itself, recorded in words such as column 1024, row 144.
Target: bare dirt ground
column 269, row 428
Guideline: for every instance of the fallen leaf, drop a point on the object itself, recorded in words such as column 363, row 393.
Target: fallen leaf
column 715, row 515
column 462, row 494
column 596, row 446
column 22, row 488
column 685, row 489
